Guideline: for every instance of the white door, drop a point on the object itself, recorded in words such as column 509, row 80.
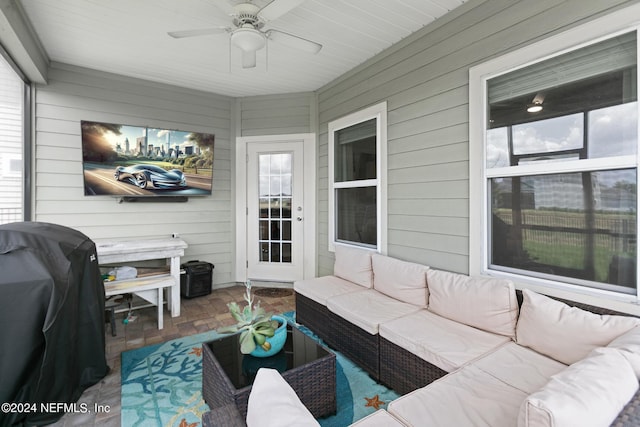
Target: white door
column 275, row 211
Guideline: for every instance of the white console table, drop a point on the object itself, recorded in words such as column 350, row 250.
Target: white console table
column 149, row 288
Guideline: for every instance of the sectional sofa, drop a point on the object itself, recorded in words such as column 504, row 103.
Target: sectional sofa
column 469, row 351
column 462, row 351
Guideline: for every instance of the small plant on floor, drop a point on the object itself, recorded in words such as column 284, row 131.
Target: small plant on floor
column 253, row 323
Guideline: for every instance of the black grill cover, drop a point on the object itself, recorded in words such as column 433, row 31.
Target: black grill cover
column 52, row 342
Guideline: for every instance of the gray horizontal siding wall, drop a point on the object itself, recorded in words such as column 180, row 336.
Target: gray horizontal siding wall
column 74, row 94
column 424, row 80
column 276, row 114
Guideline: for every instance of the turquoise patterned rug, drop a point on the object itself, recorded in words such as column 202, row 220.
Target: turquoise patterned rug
column 162, row 385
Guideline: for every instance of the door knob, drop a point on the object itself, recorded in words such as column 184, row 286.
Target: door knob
column 299, row 218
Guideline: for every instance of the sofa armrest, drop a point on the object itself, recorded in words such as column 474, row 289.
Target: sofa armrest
column 223, row 416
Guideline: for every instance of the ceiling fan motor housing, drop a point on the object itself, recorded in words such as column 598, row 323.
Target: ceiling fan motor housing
column 247, row 14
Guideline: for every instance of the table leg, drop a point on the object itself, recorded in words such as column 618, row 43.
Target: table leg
column 160, row 314
column 173, row 298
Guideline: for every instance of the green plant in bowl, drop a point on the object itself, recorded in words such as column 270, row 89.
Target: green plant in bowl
column 253, row 323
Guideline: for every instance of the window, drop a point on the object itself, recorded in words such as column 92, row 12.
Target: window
column 559, row 169
column 357, row 171
column 13, row 145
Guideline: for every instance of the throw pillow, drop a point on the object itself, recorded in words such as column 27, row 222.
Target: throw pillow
column 273, row 403
column 566, row 334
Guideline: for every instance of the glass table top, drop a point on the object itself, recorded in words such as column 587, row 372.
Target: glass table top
column 241, row 369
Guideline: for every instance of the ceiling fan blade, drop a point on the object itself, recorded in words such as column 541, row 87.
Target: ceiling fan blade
column 248, row 59
column 198, row 32
column 294, row 41
column 277, row 8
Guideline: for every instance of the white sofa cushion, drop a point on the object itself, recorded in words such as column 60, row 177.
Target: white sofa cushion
column 520, row 367
column 440, row 341
column 402, row 280
column 629, row 345
column 565, row 333
column 273, row 403
column 468, row 397
column 589, row 393
column 380, row 418
column 484, row 303
column 320, row 289
column 354, row 265
column 368, row 308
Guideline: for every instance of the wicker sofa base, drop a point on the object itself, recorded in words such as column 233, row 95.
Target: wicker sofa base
column 356, row 344
column 403, row 371
column 313, row 315
column 398, row 368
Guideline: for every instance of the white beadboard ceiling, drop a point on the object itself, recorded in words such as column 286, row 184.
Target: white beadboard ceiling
column 129, row 37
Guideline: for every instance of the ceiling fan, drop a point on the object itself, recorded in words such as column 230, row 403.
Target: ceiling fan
column 247, row 32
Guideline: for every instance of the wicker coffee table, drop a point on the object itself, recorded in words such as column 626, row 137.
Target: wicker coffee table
column 310, row 369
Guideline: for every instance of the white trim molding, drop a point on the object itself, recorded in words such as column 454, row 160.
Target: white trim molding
column 309, row 142
column 599, row 29
column 378, row 112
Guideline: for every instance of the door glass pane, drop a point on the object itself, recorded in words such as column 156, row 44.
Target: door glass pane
column 264, row 251
column 286, row 230
column 275, row 230
column 286, row 207
column 264, row 230
column 264, row 185
column 264, row 208
column 275, row 252
column 276, row 183
column 286, row 252
column 275, row 207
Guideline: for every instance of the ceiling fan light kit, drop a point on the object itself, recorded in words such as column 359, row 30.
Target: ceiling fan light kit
column 248, row 39
column 248, row 36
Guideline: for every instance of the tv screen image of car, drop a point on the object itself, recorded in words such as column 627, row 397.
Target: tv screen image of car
column 134, row 161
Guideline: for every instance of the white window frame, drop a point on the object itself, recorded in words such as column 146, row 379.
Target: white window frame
column 619, row 22
column 379, row 113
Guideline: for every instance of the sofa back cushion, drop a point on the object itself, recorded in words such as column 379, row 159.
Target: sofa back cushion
column 589, row 393
column 402, row 280
column 487, row 304
column 566, row 334
column 354, row 265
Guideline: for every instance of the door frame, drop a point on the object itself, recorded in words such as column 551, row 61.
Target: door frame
column 309, row 199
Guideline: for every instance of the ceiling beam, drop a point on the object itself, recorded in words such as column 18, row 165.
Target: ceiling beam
column 19, row 40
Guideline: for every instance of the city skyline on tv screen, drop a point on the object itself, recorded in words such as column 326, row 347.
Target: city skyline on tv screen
column 135, row 161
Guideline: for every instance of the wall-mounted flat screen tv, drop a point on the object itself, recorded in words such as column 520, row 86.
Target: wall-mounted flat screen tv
column 134, row 161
